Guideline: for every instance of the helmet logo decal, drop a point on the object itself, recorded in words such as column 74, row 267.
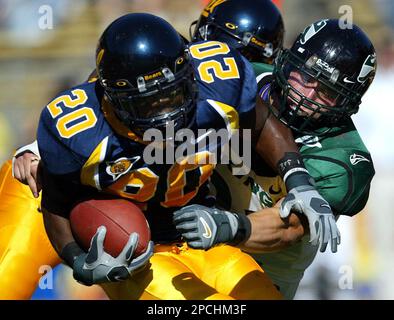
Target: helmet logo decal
column 369, row 65
column 347, row 80
column 180, row 60
column 325, row 66
column 231, row 26
column 311, row 30
column 357, row 158
column 267, row 47
column 257, row 42
column 211, row 6
column 152, row 76
column 121, row 83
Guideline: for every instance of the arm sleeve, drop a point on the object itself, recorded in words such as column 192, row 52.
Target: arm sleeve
column 345, row 186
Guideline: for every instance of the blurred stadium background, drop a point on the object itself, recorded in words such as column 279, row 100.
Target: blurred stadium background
column 36, row 63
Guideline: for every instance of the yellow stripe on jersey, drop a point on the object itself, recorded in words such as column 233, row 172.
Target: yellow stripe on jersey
column 89, row 172
column 228, row 113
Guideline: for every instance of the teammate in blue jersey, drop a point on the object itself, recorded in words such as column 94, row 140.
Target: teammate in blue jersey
column 94, row 126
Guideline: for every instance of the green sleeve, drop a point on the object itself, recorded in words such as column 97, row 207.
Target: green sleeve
column 343, row 169
column 344, row 187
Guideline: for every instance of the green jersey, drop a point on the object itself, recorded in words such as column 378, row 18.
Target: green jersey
column 342, row 168
column 338, row 161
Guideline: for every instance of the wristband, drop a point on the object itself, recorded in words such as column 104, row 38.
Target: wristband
column 32, row 148
column 289, row 164
column 70, row 253
column 293, row 172
column 243, row 231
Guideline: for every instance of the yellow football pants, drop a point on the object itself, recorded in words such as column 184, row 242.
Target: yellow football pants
column 24, row 245
column 176, row 271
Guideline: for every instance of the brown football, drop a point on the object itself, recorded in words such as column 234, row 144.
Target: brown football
column 121, row 218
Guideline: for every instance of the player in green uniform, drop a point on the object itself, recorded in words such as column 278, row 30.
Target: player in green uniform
column 337, row 158
column 314, row 89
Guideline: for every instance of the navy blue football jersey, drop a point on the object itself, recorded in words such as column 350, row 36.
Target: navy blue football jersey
column 80, row 137
column 223, row 76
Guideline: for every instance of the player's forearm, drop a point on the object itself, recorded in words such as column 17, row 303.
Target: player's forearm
column 204, row 227
column 59, row 233
column 274, row 141
column 271, row 233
